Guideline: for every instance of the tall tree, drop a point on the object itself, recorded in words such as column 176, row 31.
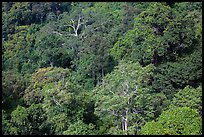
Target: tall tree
column 123, row 98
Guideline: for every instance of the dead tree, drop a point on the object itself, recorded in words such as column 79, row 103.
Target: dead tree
column 75, row 25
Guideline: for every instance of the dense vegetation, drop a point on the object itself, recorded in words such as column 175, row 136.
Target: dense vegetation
column 101, row 68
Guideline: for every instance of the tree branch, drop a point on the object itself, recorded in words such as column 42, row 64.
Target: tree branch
column 56, row 102
column 55, row 32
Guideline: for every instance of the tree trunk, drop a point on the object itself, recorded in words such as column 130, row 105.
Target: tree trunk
column 123, row 124
column 51, row 64
column 126, row 120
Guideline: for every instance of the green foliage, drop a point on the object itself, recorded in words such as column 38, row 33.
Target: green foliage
column 159, row 102
column 58, row 122
column 183, row 7
column 50, row 48
column 90, row 57
column 18, row 50
column 43, row 76
column 15, row 14
column 126, row 88
column 175, row 121
column 25, row 121
column 133, row 47
column 80, row 128
column 65, row 104
column 13, row 86
column 94, row 62
column 62, row 99
column 20, row 119
column 36, row 116
column 172, row 75
column 189, row 97
column 7, row 126
column 158, row 36
column 141, row 43
column 21, row 13
column 96, row 68
column 157, row 14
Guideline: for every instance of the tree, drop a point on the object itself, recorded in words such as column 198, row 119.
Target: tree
column 62, row 99
column 123, row 98
column 43, row 76
column 15, row 14
column 189, row 97
column 159, row 35
column 81, row 32
column 173, row 75
column 7, row 127
column 94, row 60
column 80, row 128
column 143, row 42
column 19, row 117
column 13, row 86
column 56, row 50
column 175, row 121
column 162, row 38
column 18, row 50
column 42, row 10
column 25, row 121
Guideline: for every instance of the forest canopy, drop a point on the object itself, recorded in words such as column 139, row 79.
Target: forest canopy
column 101, row 68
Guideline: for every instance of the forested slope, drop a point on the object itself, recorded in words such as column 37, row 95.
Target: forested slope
column 101, row 68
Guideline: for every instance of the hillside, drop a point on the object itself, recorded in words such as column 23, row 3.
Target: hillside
column 101, row 68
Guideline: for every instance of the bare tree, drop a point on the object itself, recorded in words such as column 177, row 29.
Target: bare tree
column 75, row 25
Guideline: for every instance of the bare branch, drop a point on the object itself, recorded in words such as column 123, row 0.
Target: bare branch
column 70, row 26
column 136, row 111
column 75, row 25
column 115, row 114
column 72, row 21
column 71, row 34
column 55, row 32
column 135, row 91
column 56, row 102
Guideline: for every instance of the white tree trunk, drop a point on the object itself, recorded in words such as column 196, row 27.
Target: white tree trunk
column 126, row 121
column 123, row 119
